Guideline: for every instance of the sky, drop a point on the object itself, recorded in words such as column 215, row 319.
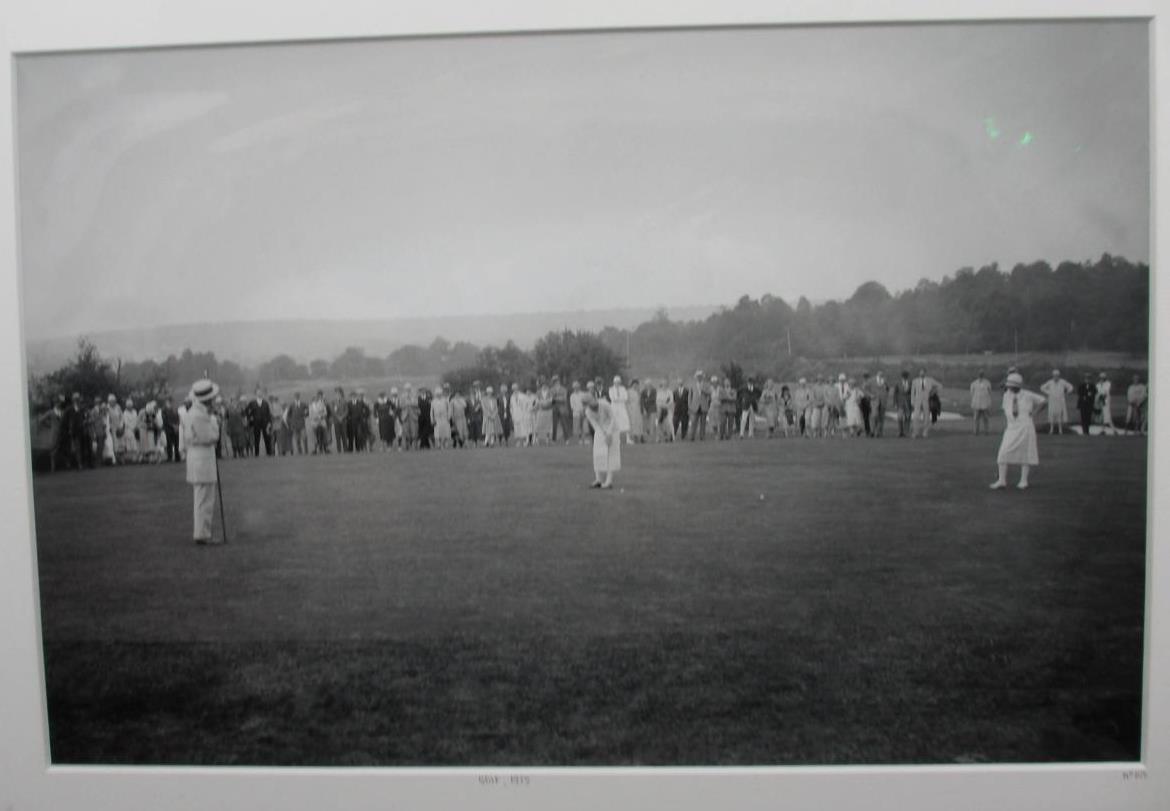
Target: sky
column 530, row 173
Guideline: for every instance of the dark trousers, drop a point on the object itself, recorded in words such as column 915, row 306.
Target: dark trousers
column 558, row 411
column 357, row 437
column 865, row 414
column 1086, row 419
column 879, row 419
column 257, row 433
column 172, row 443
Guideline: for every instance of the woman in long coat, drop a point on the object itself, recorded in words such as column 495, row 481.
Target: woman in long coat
column 237, row 429
column 544, row 416
column 854, row 420
column 130, row 444
column 493, row 430
column 770, row 404
column 408, row 413
column 634, row 412
column 1018, row 446
column 607, row 444
column 475, row 415
column 522, row 404
column 619, row 396
column 459, row 419
column 441, row 419
column 504, row 407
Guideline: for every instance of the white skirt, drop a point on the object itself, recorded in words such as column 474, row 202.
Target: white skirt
column 1019, row 445
column 621, row 416
column 607, row 453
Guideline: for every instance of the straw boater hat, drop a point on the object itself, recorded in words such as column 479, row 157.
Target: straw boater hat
column 841, row 376
column 1016, row 380
column 204, row 391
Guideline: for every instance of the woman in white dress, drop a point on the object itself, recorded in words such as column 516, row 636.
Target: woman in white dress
column 1019, row 434
column 521, row 417
column 607, row 446
column 493, row 428
column 543, row 417
column 619, row 397
column 770, row 405
column 854, row 421
column 115, row 432
column 130, row 444
column 441, row 419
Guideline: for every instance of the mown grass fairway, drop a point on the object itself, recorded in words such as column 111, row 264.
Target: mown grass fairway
column 879, row 605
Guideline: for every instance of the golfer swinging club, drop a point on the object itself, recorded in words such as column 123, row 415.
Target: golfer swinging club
column 201, row 434
column 607, row 445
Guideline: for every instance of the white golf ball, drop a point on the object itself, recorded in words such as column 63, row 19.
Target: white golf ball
column 761, row 496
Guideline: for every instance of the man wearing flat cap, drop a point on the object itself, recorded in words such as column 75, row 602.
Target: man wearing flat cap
column 201, row 434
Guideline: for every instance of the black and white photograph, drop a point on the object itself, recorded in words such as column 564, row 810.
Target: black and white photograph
column 678, row 397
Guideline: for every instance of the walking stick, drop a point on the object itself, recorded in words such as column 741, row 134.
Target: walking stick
column 219, row 492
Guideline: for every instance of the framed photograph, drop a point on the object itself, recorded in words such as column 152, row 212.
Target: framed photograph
column 612, row 404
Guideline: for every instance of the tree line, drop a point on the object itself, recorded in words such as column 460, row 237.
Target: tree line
column 1101, row 305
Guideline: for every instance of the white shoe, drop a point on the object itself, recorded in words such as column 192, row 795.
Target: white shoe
column 998, row 485
column 1022, row 486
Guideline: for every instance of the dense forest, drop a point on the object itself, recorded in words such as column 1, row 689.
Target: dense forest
column 1103, row 306
column 1100, row 306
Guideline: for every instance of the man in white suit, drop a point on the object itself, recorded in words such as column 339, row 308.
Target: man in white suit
column 201, row 432
column 920, row 391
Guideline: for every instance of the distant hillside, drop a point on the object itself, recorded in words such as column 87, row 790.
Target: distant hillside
column 252, row 342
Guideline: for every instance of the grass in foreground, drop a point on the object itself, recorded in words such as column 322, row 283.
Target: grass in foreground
column 879, row 605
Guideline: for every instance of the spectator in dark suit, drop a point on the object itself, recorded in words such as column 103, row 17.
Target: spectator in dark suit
column 648, row 403
column 747, row 406
column 73, row 423
column 504, row 407
column 903, row 406
column 1086, row 402
column 699, row 406
column 170, row 421
column 259, row 415
column 682, row 415
column 341, row 436
column 357, row 419
column 424, row 418
column 561, row 416
column 298, row 416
